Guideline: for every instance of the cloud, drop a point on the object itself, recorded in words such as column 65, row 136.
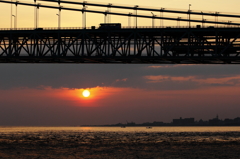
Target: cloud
column 121, row 80
column 169, row 66
column 143, row 76
column 160, row 78
column 218, row 81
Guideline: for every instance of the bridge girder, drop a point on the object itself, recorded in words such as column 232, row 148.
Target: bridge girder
column 163, row 46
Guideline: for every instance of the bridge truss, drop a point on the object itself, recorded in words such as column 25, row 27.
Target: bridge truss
column 149, row 45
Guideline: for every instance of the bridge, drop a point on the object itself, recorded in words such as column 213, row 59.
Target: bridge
column 113, row 43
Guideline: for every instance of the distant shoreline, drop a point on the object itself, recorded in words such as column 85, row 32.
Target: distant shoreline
column 178, row 122
column 162, row 126
column 1, row 126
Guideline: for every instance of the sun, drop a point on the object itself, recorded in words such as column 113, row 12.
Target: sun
column 86, row 93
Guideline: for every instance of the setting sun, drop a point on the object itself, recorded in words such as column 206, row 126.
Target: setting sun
column 86, row 93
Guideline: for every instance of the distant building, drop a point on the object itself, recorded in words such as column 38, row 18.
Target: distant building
column 228, row 121
column 237, row 120
column 184, row 122
column 131, row 124
column 215, row 121
column 201, row 123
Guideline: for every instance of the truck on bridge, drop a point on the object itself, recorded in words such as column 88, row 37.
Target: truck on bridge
column 110, row 26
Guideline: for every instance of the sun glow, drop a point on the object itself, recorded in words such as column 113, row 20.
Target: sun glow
column 86, row 93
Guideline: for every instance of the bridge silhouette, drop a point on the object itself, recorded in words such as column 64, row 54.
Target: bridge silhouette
column 112, row 43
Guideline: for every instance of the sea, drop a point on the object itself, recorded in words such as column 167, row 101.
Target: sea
column 120, row 142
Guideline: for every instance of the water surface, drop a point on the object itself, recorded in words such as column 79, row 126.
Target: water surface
column 120, row 143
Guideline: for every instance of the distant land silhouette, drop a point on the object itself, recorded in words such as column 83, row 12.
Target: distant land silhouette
column 183, row 122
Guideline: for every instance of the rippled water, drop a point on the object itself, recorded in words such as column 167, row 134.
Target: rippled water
column 116, row 142
column 120, row 129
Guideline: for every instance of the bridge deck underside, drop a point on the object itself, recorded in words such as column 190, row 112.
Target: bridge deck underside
column 163, row 46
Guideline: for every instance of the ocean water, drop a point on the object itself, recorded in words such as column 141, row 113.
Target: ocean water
column 117, row 142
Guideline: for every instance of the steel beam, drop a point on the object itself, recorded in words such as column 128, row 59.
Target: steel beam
column 163, row 46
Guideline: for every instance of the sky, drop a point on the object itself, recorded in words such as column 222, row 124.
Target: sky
column 51, row 94
column 49, row 18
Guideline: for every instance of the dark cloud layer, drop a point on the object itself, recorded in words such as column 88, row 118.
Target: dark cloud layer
column 87, row 75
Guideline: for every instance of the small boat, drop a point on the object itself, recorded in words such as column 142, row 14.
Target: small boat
column 123, row 126
column 149, row 127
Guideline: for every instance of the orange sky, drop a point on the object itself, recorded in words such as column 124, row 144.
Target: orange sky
column 104, row 95
column 48, row 17
column 113, row 104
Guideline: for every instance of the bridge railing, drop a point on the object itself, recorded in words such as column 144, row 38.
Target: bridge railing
column 123, row 27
